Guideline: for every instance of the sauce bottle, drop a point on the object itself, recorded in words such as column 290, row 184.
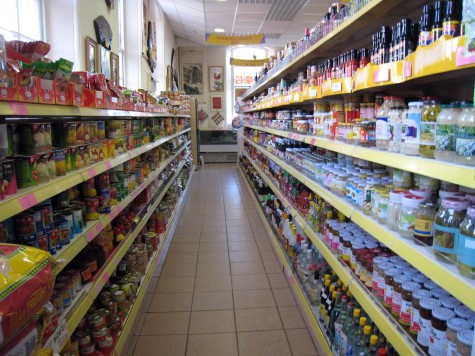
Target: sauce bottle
column 439, row 10
column 452, row 17
column 425, row 34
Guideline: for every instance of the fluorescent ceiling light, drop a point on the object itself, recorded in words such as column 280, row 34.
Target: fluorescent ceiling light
column 219, row 29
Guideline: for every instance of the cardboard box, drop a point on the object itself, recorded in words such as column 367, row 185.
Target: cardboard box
column 10, row 91
column 46, row 92
column 28, row 88
column 75, row 92
column 92, row 98
column 61, row 93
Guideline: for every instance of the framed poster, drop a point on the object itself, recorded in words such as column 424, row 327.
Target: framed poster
column 105, row 63
column 92, row 58
column 193, row 78
column 114, row 68
column 216, row 79
column 216, row 102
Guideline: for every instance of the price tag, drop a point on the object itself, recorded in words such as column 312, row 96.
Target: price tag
column 461, row 59
column 90, row 235
column 336, row 87
column 105, row 277
column 113, row 214
column 381, row 75
column 59, row 337
column 18, row 108
column 98, row 288
column 312, row 141
column 108, row 165
column 99, row 227
column 407, row 69
column 313, row 93
column 28, row 201
column 297, row 97
column 91, row 172
column 292, row 280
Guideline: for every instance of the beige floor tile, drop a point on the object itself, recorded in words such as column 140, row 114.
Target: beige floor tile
column 175, row 323
column 284, row 297
column 254, row 221
column 175, row 285
column 213, row 237
column 130, row 344
column 291, row 318
column 188, row 257
column 169, row 345
column 244, row 256
column 240, row 268
column 301, row 343
column 139, row 321
column 212, row 301
column 212, row 210
column 272, row 267
column 264, row 245
column 183, row 239
column 213, row 230
column 211, row 322
column 212, row 345
column 237, row 216
column 257, row 319
column 237, row 222
column 238, row 229
column 263, row 343
column 213, row 284
column 268, row 255
column 278, row 280
column 249, row 282
column 178, row 270
column 214, row 246
column 261, row 236
column 190, row 222
column 212, row 257
column 213, row 269
column 183, row 247
column 185, row 230
column 245, row 299
column 242, row 246
column 170, row 302
column 213, row 223
column 152, row 285
column 240, row 236
column 258, row 229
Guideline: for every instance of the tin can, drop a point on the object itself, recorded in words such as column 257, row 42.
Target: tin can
column 57, row 303
column 104, row 201
column 67, row 215
column 35, row 138
column 99, row 335
column 92, row 209
column 93, row 133
column 42, row 240
column 54, row 241
column 77, row 218
column 105, row 345
column 87, row 350
column 63, row 227
column 101, row 130
column 9, row 182
column 84, row 338
column 96, row 321
column 59, row 161
column 25, row 223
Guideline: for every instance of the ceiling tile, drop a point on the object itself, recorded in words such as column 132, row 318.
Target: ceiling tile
column 253, row 8
column 220, row 7
column 247, row 23
column 250, row 16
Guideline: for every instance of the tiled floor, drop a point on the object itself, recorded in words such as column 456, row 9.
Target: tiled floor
column 221, row 290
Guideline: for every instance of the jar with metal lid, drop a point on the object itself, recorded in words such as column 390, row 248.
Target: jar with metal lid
column 355, row 249
column 383, row 267
column 378, row 260
column 388, row 286
column 394, row 206
column 466, row 245
column 428, row 128
column 424, row 226
column 439, row 293
column 408, row 288
column 465, row 142
column 383, row 121
column 454, row 325
column 369, row 272
column 464, row 342
column 369, row 190
column 446, row 133
column 417, row 296
column 426, row 306
column 446, row 228
column 407, row 215
column 396, row 116
column 438, row 330
column 411, row 128
column 420, row 278
column 462, row 311
column 396, row 300
column 450, row 302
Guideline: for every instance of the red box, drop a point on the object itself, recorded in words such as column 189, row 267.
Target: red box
column 61, row 93
column 10, row 92
column 75, row 92
column 28, row 88
column 46, row 92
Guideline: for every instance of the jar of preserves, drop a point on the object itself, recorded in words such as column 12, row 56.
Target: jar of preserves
column 368, row 192
column 424, row 226
column 411, row 128
column 446, row 133
column 383, row 267
column 446, row 228
column 378, row 260
column 397, row 293
column 388, row 286
column 428, row 128
column 454, row 325
column 438, row 330
column 466, row 245
column 417, row 296
column 426, row 306
column 407, row 215
column 394, row 206
column 408, row 288
column 465, row 142
column 402, row 179
column 464, row 342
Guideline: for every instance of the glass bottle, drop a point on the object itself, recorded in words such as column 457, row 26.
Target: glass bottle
column 340, row 319
column 466, row 245
column 406, row 44
column 395, row 128
column 465, row 143
column 428, row 128
column 350, row 325
column 425, row 33
column 446, row 133
column 424, row 227
column 412, row 128
column 382, row 123
column 407, row 215
column 452, row 17
column 394, row 206
column 439, row 11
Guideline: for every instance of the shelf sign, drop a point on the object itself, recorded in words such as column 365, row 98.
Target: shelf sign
column 313, row 93
column 108, row 165
column 18, row 108
column 226, row 40
column 312, row 142
column 381, row 75
column 336, row 87
column 91, row 172
column 407, row 69
column 99, row 227
column 90, row 235
column 461, row 59
column 296, row 97
column 28, row 201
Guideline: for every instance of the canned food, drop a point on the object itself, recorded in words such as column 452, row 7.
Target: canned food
column 99, row 335
column 87, row 350
column 35, row 138
column 92, row 209
column 27, row 173
column 106, row 344
column 104, row 201
column 9, row 182
column 84, row 338
column 25, row 224
column 96, row 321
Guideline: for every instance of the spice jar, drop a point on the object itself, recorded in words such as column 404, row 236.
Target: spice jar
column 408, row 288
column 465, row 143
column 417, row 296
column 388, row 286
column 407, row 215
column 426, row 306
column 466, row 245
column 396, row 300
column 446, row 224
column 438, row 330
column 424, row 226
column 464, row 342
column 454, row 325
column 394, row 206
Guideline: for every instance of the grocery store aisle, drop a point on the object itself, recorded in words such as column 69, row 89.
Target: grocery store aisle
column 221, row 290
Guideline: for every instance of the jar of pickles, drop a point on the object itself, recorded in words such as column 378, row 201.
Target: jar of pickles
column 396, row 117
column 429, row 127
column 447, row 222
column 446, row 133
column 466, row 245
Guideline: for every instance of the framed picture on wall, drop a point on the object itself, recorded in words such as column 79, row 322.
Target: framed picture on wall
column 114, row 68
column 106, row 62
column 92, row 58
column 216, row 79
column 216, row 102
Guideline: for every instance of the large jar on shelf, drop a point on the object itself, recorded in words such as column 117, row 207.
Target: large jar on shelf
column 438, row 331
column 411, row 128
column 465, row 142
column 383, row 121
column 417, row 296
column 402, row 179
column 394, row 206
column 446, row 228
column 446, row 133
column 426, row 306
column 407, row 215
column 466, row 245
column 396, row 117
column 424, row 227
column 428, row 128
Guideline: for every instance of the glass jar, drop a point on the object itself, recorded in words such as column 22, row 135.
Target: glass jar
column 396, row 115
column 417, row 296
column 396, row 300
column 407, row 215
column 428, row 128
column 303, row 126
column 411, row 128
column 383, row 267
column 450, row 302
column 394, row 206
column 426, row 306
column 424, row 226
column 466, row 245
column 408, row 288
column 382, row 121
column 454, row 325
column 383, row 206
column 464, row 342
column 388, row 286
column 446, row 228
column 402, row 179
column 438, row 330
column 376, row 262
column 368, row 192
column 465, row 142
column 446, row 133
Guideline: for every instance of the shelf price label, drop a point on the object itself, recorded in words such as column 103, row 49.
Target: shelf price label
column 312, row 142
column 59, row 337
column 108, row 165
column 28, row 201
column 296, row 97
column 18, row 108
column 336, row 87
column 313, row 93
column 91, row 234
column 382, row 75
column 407, row 69
column 91, row 172
column 99, row 227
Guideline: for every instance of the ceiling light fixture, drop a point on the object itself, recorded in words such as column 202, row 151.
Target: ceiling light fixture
column 219, row 30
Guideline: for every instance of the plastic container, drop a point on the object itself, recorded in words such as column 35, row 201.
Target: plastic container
column 411, row 127
column 446, row 133
column 383, row 121
column 465, row 142
column 407, row 215
column 394, row 206
column 424, row 227
column 396, row 118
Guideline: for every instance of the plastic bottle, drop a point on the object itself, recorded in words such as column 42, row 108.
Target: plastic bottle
column 412, row 129
column 446, row 133
column 382, row 123
column 465, row 142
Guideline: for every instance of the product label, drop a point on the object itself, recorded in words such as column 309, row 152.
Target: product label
column 383, row 210
column 369, row 279
column 415, row 321
column 425, row 38
column 424, row 333
column 406, row 222
column 437, row 342
column 344, row 343
column 424, row 227
column 381, row 288
column 445, row 137
column 395, row 132
column 405, row 316
column 451, row 348
column 338, row 332
column 451, row 28
column 428, row 130
column 375, row 281
column 382, row 128
column 445, row 239
column 465, row 143
column 388, row 295
column 466, row 250
column 396, row 303
column 346, row 254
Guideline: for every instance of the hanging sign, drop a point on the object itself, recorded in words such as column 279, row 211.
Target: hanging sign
column 236, row 123
column 248, row 62
column 227, row 40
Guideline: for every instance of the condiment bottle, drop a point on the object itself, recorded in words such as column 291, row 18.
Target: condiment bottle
column 417, row 296
column 452, row 17
column 447, row 222
column 425, row 33
column 446, row 133
column 438, row 330
column 466, row 245
column 426, row 306
column 465, row 143
column 388, row 288
column 454, row 325
column 439, row 11
column 411, row 127
column 429, row 128
column 406, row 43
column 424, row 227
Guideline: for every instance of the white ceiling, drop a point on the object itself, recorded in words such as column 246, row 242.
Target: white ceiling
column 281, row 21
